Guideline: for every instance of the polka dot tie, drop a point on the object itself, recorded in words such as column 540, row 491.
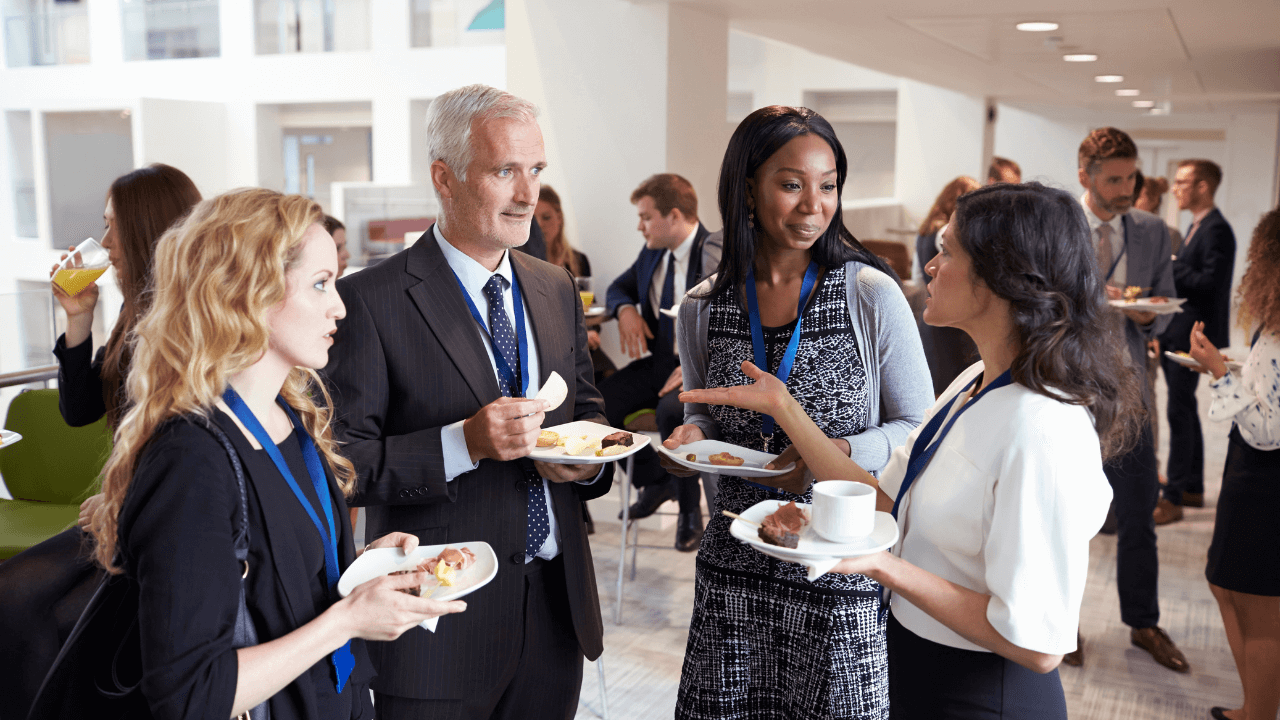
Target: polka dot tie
column 504, row 341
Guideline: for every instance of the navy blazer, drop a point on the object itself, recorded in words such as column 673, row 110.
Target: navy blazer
column 632, row 286
column 1202, row 272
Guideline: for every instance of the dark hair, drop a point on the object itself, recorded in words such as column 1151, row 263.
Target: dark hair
column 1260, row 287
column 999, row 166
column 1031, row 245
column 333, row 224
column 559, row 251
column 1105, row 143
column 757, row 138
column 669, row 191
column 1206, row 170
column 146, row 203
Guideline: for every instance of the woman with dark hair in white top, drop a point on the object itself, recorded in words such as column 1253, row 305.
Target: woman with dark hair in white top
column 999, row 492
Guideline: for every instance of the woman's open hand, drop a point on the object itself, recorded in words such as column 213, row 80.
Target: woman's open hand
column 766, row 395
column 1204, row 352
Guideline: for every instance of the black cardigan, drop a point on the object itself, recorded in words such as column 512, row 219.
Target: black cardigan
column 176, row 543
column 80, row 382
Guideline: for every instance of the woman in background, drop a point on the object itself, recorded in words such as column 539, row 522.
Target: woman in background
column 338, row 232
column 1244, row 558
column 44, row 589
column 948, row 350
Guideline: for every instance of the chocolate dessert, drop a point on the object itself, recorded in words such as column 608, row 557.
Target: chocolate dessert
column 783, row 527
column 619, row 438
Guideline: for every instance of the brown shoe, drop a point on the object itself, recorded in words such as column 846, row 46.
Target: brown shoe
column 1157, row 642
column 1192, row 499
column 1166, row 512
column 1075, row 658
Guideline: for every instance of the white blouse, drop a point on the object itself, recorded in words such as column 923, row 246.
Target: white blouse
column 1006, row 508
column 1253, row 399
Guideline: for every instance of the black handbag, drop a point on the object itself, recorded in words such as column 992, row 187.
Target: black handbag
column 99, row 669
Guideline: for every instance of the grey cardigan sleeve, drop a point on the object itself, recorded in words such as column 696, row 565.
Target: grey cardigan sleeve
column 691, row 336
column 906, row 391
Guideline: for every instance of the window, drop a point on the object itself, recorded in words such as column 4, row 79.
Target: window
column 45, row 32
column 309, row 26
column 449, row 23
column 85, row 152
column 866, row 122
column 22, row 175
column 166, row 29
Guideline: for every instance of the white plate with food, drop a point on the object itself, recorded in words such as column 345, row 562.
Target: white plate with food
column 809, row 546
column 1157, row 305
column 586, row 443
column 1184, row 359
column 714, row 456
column 457, row 570
column 8, row 437
column 594, row 311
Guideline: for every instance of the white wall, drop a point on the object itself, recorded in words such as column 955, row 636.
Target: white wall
column 1045, row 149
column 939, row 138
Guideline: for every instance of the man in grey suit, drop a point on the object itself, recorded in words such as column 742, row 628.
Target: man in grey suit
column 1133, row 249
column 432, row 371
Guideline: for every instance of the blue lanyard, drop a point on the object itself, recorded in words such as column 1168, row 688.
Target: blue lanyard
column 343, row 660
column 522, row 343
column 925, row 446
column 757, row 336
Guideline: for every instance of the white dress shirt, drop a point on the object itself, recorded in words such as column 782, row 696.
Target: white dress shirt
column 1120, row 276
column 680, row 254
column 1006, row 508
column 457, row 458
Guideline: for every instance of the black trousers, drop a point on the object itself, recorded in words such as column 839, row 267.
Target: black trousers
column 1185, row 469
column 545, row 683
column 1136, row 487
column 635, row 387
column 928, row 680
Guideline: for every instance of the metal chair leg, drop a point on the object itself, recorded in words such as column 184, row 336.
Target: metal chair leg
column 625, row 493
column 604, row 700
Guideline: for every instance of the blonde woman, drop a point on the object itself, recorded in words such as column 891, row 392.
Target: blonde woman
column 244, row 309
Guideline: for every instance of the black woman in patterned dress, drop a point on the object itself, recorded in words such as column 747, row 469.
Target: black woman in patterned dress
column 827, row 315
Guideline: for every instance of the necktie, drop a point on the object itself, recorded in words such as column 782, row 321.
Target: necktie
column 666, row 324
column 1195, row 225
column 1105, row 256
column 504, row 341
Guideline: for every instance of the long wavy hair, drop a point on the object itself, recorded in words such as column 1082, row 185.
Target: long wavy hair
column 1030, row 245
column 1259, row 291
column 757, row 138
column 945, row 204
column 146, row 203
column 559, row 251
column 217, row 274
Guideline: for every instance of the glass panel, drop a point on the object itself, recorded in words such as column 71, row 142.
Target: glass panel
column 452, row 23
column 46, row 32
column 22, row 174
column 165, row 29
column 85, row 152
column 307, row 26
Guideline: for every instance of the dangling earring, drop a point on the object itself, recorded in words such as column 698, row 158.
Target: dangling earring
column 751, row 218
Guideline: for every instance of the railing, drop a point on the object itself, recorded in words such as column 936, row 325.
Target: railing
column 49, row 34
column 42, row 374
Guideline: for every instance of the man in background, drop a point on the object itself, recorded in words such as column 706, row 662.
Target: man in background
column 1003, row 170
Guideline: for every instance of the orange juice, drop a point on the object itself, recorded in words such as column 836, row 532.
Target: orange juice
column 587, row 297
column 74, row 280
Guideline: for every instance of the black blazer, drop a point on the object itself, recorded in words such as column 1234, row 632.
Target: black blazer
column 80, row 382
column 1202, row 273
column 407, row 361
column 176, row 543
column 632, row 286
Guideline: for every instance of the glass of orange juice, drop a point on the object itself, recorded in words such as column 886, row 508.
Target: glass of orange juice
column 81, row 267
column 584, row 290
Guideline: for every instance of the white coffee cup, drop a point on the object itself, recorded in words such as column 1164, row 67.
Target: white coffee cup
column 843, row 510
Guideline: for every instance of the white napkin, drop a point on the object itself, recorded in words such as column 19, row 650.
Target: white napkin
column 818, row 568
column 429, row 623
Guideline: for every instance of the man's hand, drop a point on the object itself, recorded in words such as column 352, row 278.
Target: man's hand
column 593, row 340
column 505, row 429
column 557, row 473
column 682, row 435
column 1114, row 293
column 633, row 331
column 675, row 381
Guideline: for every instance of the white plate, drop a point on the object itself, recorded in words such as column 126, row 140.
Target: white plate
column 1173, row 305
column 752, row 467
column 592, row 430
column 594, row 311
column 8, row 437
column 375, row 563
column 812, row 547
column 1188, row 362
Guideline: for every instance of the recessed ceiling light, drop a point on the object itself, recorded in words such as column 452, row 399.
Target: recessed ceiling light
column 1081, row 57
column 1144, row 103
column 1109, row 78
column 1128, row 92
column 1037, row 26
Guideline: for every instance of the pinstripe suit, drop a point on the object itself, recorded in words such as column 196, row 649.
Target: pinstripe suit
column 407, row 361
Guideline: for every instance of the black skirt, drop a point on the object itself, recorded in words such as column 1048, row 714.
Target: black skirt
column 1243, row 556
column 928, row 680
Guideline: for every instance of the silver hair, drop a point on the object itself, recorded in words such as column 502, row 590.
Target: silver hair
column 451, row 115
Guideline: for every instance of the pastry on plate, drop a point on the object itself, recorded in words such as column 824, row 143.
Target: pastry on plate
column 724, row 458
column 548, row 438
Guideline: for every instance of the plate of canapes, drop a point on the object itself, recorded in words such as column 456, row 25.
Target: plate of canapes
column 586, row 443
column 1132, row 300
column 453, row 570
column 784, row 530
column 714, row 456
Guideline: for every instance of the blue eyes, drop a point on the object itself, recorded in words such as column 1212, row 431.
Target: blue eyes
column 508, row 172
column 537, row 171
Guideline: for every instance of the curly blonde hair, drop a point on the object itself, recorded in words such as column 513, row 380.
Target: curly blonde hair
column 216, row 276
column 1259, row 291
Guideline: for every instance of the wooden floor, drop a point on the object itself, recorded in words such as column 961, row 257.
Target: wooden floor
column 643, row 655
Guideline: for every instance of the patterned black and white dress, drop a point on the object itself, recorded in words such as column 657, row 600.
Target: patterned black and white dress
column 764, row 642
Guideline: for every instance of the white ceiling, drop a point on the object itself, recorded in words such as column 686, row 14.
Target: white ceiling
column 1197, row 55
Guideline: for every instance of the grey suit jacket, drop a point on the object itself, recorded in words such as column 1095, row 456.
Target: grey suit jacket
column 408, row 361
column 1149, row 265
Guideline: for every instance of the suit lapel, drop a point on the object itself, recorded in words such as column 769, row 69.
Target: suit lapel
column 439, row 299
column 693, row 273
